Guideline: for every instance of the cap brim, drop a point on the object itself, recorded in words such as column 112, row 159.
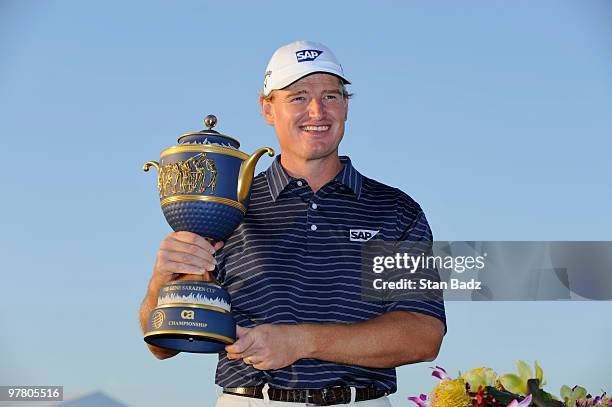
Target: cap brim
column 291, row 79
column 302, row 76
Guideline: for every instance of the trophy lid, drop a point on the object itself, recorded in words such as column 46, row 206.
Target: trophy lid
column 209, row 136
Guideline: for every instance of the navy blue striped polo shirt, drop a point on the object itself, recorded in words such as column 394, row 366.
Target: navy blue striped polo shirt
column 292, row 261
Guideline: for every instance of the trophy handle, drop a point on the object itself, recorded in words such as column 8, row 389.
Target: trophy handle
column 247, row 170
column 150, row 164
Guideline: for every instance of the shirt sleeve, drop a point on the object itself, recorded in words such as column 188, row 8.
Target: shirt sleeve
column 413, row 227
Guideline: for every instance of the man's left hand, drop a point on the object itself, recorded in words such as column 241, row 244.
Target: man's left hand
column 267, row 346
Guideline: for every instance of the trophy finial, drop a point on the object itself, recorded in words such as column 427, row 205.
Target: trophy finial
column 210, row 121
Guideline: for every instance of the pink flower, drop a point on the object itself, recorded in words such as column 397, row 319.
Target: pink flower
column 440, row 373
column 525, row 403
column 421, row 401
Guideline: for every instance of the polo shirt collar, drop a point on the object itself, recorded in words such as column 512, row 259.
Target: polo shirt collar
column 278, row 179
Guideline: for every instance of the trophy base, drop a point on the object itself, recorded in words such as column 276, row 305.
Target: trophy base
column 186, row 342
column 192, row 316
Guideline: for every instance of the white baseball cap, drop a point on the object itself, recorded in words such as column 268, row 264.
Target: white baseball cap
column 294, row 61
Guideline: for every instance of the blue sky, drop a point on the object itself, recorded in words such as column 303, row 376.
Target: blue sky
column 495, row 116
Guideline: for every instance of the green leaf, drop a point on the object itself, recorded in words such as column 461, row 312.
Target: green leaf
column 540, row 397
column 549, row 396
column 579, row 393
column 524, row 371
column 566, row 393
column 504, row 397
column 513, row 383
column 539, row 374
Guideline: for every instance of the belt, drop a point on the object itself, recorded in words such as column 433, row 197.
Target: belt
column 327, row 396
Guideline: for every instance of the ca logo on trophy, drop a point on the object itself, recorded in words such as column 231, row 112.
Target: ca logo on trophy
column 204, row 185
column 187, row 314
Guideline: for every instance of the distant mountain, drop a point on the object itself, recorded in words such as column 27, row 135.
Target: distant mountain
column 97, row 399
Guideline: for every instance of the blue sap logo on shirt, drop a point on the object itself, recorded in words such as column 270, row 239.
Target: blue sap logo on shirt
column 307, row 55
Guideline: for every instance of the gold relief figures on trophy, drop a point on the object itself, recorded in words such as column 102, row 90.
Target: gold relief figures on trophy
column 196, row 174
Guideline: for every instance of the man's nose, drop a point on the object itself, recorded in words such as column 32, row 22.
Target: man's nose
column 316, row 109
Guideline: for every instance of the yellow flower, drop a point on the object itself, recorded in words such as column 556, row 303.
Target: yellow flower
column 481, row 376
column 450, row 393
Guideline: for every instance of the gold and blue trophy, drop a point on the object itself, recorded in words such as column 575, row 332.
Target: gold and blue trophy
column 204, row 186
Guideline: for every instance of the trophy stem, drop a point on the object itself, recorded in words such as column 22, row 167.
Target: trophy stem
column 199, row 277
column 196, row 277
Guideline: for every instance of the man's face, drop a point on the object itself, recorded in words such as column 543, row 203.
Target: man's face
column 308, row 117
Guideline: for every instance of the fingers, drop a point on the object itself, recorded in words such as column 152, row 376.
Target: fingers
column 171, row 244
column 188, row 249
column 250, row 360
column 251, row 352
column 187, row 258
column 247, row 349
column 172, row 267
column 261, row 365
column 255, row 361
column 182, row 253
column 242, row 345
column 241, row 331
column 194, row 239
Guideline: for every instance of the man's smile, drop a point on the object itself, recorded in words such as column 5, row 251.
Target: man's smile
column 315, row 130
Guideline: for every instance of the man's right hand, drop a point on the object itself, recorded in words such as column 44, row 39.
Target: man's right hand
column 181, row 254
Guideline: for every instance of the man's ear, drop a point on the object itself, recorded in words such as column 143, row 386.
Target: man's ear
column 267, row 110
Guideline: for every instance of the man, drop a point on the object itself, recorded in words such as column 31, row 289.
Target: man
column 305, row 335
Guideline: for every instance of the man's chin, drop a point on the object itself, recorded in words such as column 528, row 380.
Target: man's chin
column 321, row 155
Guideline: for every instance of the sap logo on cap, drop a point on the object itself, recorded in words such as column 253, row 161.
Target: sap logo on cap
column 362, row 235
column 307, row 55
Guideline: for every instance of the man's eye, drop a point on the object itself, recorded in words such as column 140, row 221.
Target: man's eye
column 330, row 97
column 298, row 99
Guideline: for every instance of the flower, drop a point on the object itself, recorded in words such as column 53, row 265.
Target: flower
column 481, row 387
column 598, row 401
column 440, row 373
column 525, row 403
column 450, row 393
column 577, row 396
column 421, row 401
column 479, row 377
column 518, row 383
